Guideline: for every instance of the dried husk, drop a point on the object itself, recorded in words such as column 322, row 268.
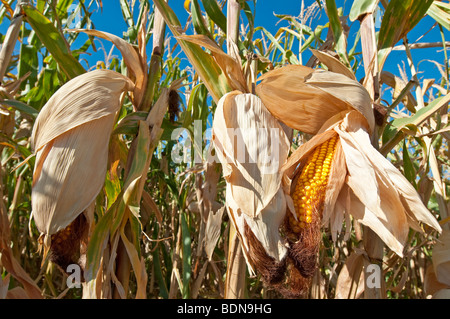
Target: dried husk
column 135, row 60
column 374, row 191
column 212, row 231
column 255, row 201
column 441, row 258
column 304, row 99
column 70, row 138
column 365, row 184
column 350, row 282
column 431, row 285
column 442, row 294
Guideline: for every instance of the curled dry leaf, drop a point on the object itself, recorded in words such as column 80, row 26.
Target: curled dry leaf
column 70, row 138
column 10, row 263
column 333, row 64
column 135, row 59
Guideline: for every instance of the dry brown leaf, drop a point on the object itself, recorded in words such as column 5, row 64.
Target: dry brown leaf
column 212, row 231
column 350, row 282
column 149, row 204
column 441, row 258
column 4, row 284
column 9, row 262
column 133, row 60
column 442, row 294
column 431, row 284
column 333, row 64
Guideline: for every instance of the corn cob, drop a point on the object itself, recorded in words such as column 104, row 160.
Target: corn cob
column 65, row 244
column 309, row 191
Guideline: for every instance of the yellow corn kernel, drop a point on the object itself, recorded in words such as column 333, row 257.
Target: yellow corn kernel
column 309, row 192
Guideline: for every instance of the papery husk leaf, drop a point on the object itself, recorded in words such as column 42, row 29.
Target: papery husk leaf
column 253, row 181
column 371, row 220
column 441, row 258
column 337, row 178
column 254, row 197
column 61, row 191
column 412, row 203
column 442, row 294
column 350, row 282
column 265, row 227
column 131, row 57
column 304, row 99
column 430, row 284
column 212, row 231
column 287, row 96
column 87, row 97
column 341, row 210
column 346, row 90
column 384, row 211
column 360, row 170
column 71, row 136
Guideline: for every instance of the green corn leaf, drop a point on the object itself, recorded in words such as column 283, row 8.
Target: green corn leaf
column 408, row 166
column 440, row 11
column 210, row 73
column 21, row 107
column 129, row 125
column 131, row 194
column 126, row 12
column 399, row 18
column 215, row 13
column 157, row 267
column 394, row 133
column 28, row 62
column 53, row 41
column 198, row 21
column 424, row 113
column 186, row 247
column 361, row 7
column 94, row 251
column 338, row 33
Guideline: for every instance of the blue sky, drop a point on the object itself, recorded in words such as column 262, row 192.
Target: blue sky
column 110, row 19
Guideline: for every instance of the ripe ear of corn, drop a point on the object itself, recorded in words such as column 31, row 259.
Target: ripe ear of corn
column 70, row 138
column 309, row 191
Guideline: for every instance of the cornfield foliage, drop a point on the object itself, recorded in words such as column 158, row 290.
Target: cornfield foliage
column 158, row 225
